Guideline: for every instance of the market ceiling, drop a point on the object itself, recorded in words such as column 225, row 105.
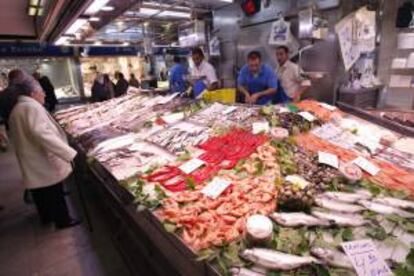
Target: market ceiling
column 128, row 22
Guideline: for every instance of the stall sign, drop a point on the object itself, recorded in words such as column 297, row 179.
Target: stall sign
column 109, row 51
column 34, row 49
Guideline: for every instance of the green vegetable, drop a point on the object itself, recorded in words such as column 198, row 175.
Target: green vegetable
column 377, row 232
column 259, row 167
column 347, row 234
column 185, row 156
column 191, row 185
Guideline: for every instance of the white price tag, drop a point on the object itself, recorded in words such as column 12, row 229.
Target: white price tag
column 366, row 165
column 309, row 117
column 191, row 165
column 365, row 258
column 173, row 118
column 370, row 144
column 215, row 187
column 229, row 110
column 259, row 127
column 328, row 106
column 284, row 109
column 328, row 159
column 165, row 100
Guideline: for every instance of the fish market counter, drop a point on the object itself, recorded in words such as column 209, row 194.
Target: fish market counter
column 140, row 237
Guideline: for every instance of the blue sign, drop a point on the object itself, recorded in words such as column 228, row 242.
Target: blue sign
column 34, row 49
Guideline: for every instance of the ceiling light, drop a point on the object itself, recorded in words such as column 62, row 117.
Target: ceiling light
column 151, row 12
column 98, row 42
column 94, row 19
column 62, row 40
column 32, row 11
column 96, row 6
column 126, row 44
column 107, row 8
column 76, row 25
column 228, row 1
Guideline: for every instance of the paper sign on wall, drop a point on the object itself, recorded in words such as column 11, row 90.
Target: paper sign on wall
column 365, row 258
column 215, row 187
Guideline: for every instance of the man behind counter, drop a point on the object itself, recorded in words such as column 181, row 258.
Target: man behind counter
column 203, row 74
column 288, row 73
column 257, row 81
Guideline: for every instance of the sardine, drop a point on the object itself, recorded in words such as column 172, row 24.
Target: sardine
column 340, row 219
column 298, row 219
column 347, row 197
column 395, row 202
column 241, row 271
column 337, row 205
column 385, row 209
column 276, row 260
column 332, row 257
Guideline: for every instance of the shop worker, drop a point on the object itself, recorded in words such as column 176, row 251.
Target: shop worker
column 257, row 81
column 203, row 75
column 288, row 73
column 121, row 86
column 177, row 76
column 41, row 148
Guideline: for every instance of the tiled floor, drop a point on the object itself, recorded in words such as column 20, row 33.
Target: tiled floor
column 27, row 248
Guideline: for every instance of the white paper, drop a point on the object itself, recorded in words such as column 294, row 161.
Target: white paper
column 400, row 81
column 309, row 117
column 259, row 127
column 173, row 118
column 399, row 63
column 406, row 41
column 372, row 145
column 328, row 159
column 215, row 187
column 328, row 106
column 229, row 110
column 166, row 99
column 191, row 165
column 365, row 258
column 366, row 165
column 284, row 110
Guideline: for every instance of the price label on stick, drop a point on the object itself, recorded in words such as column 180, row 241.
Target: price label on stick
column 366, row 166
column 191, row 165
column 328, row 106
column 328, row 159
column 215, row 187
column 308, row 116
column 259, row 127
column 173, row 118
column 229, row 110
column 365, row 258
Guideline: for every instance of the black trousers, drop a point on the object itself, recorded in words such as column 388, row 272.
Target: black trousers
column 51, row 205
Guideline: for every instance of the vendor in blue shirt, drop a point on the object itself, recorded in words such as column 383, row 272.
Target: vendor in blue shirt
column 257, row 81
column 177, row 76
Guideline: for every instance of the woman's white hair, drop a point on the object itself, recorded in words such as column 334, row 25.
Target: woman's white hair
column 30, row 82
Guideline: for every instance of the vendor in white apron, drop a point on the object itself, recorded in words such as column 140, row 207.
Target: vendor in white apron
column 202, row 75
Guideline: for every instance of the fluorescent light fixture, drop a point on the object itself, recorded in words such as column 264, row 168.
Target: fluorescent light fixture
column 76, row 26
column 159, row 5
column 62, row 40
column 126, row 44
column 227, row 1
column 151, row 12
column 94, row 19
column 32, row 11
column 96, row 6
column 107, row 8
column 98, row 42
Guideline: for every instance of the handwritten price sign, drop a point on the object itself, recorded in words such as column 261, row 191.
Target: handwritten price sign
column 365, row 258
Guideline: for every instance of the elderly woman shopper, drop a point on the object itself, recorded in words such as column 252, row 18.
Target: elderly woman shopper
column 41, row 148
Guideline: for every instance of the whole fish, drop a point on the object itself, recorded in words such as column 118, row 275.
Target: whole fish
column 298, row 219
column 276, row 260
column 395, row 202
column 340, row 219
column 346, row 197
column 337, row 205
column 385, row 209
column 332, row 257
column 241, row 271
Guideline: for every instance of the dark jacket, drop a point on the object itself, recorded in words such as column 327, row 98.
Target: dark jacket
column 121, row 87
column 50, row 96
column 99, row 92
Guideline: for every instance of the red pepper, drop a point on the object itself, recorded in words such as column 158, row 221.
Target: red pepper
column 204, row 173
column 228, row 164
column 212, row 157
column 164, row 174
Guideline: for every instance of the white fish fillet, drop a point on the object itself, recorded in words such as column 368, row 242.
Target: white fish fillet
column 276, row 260
column 337, row 206
column 298, row 219
column 385, row 209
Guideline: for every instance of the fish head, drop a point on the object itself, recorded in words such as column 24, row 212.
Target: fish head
column 248, row 254
column 319, row 252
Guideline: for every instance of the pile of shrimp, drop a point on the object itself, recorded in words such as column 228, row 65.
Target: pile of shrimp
column 207, row 222
column 390, row 176
column 266, row 155
column 321, row 112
